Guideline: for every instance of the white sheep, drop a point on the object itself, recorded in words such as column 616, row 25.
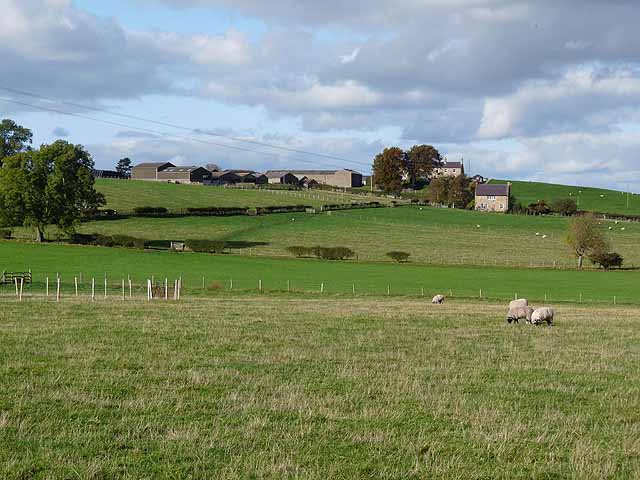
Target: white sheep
column 541, row 315
column 519, row 313
column 438, row 300
column 521, row 302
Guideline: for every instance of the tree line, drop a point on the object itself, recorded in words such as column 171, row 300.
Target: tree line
column 50, row 185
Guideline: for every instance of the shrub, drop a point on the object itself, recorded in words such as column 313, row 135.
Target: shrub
column 299, row 251
column 205, row 246
column 334, row 253
column 398, row 256
column 565, row 206
column 142, row 211
column 539, row 208
column 5, row 233
column 607, row 260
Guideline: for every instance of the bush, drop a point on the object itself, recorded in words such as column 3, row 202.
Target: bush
column 142, row 211
column 539, row 208
column 565, row 206
column 5, row 233
column 217, row 211
column 107, row 240
column 333, row 253
column 398, row 256
column 299, row 251
column 607, row 260
column 205, row 246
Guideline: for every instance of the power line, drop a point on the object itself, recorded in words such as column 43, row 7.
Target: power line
column 180, row 127
column 150, row 131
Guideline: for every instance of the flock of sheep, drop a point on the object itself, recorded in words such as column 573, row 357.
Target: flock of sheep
column 519, row 310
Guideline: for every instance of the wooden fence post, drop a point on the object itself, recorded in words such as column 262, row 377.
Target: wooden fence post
column 130, row 289
column 123, row 291
column 105, row 286
column 21, row 287
column 58, row 291
column 166, row 288
column 93, row 289
column 75, row 280
column 47, row 287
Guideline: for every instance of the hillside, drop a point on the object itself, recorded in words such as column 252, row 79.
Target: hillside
column 588, row 198
column 125, row 195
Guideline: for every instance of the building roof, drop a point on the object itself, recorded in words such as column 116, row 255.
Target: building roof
column 223, row 174
column 154, row 164
column 180, row 169
column 492, row 189
column 277, row 173
column 452, row 165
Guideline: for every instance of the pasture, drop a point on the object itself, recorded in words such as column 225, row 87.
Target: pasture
column 430, row 235
column 308, row 276
column 253, row 386
column 587, row 198
column 125, row 195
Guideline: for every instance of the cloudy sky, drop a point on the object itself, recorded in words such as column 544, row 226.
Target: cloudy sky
column 531, row 89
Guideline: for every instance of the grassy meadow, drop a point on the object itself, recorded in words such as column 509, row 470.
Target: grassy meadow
column 430, row 235
column 124, row 196
column 588, row 198
column 335, row 278
column 267, row 387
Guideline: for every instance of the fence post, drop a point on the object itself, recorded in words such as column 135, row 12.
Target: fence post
column 75, row 280
column 58, row 290
column 288, row 285
column 353, row 288
column 422, row 291
column 322, row 287
column 105, row 285
column 123, row 291
column 615, row 300
column 21, row 286
column 15, row 280
column 580, row 297
column 231, row 284
column 93, row 289
column 47, row 287
column 260, row 285
column 388, row 289
column 130, row 289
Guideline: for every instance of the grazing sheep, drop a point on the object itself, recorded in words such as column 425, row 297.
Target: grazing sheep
column 541, row 315
column 519, row 313
column 522, row 302
column 438, row 300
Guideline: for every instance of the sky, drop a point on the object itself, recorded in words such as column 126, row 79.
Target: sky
column 541, row 90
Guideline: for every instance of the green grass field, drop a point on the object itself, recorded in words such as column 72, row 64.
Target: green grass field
column 262, row 387
column 588, row 198
column 435, row 236
column 124, row 196
column 307, row 275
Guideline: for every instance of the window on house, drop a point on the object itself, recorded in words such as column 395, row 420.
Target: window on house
column 492, row 197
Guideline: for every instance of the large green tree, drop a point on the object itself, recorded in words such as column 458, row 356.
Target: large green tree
column 420, row 162
column 53, row 185
column 586, row 238
column 388, row 168
column 461, row 191
column 13, row 139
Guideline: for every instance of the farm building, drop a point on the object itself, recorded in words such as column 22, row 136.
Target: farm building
column 306, row 182
column 281, row 177
column 149, row 171
column 249, row 176
column 107, row 174
column 492, row 198
column 344, row 178
column 184, row 175
column 225, row 178
column 449, row 169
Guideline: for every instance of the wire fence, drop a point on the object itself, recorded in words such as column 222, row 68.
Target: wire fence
column 157, row 287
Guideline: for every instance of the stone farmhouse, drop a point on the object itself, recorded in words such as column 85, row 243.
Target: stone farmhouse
column 493, row 197
column 449, row 169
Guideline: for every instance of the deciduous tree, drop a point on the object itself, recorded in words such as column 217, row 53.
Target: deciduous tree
column 53, row 185
column 13, row 139
column 420, row 162
column 388, row 168
column 586, row 238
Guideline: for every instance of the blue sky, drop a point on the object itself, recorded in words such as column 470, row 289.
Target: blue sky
column 526, row 90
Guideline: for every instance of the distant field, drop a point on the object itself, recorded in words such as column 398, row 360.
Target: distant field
column 429, row 235
column 125, row 195
column 591, row 199
column 288, row 388
column 308, row 275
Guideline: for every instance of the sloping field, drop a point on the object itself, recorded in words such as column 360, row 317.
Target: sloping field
column 288, row 388
column 125, row 195
column 590, row 199
column 438, row 236
column 310, row 276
